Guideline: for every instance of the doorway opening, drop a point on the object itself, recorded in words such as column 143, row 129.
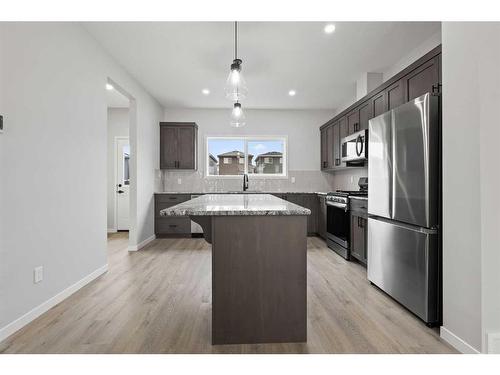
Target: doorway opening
column 119, row 159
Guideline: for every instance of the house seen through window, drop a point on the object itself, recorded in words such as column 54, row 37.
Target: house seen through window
column 253, row 155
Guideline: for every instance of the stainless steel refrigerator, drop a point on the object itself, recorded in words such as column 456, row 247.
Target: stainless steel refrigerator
column 403, row 206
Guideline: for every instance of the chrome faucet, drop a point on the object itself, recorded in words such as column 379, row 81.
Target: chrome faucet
column 245, row 182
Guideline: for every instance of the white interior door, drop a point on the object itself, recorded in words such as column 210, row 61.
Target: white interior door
column 122, row 183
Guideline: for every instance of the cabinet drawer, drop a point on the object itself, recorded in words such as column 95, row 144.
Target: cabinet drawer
column 172, row 225
column 163, row 201
column 359, row 207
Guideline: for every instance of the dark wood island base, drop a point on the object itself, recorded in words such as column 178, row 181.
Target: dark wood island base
column 259, row 272
column 259, row 266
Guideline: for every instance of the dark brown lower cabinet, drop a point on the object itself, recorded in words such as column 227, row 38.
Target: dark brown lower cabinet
column 358, row 238
column 322, row 216
column 171, row 226
column 359, row 230
column 307, row 200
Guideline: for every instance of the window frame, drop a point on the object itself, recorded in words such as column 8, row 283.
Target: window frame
column 246, row 139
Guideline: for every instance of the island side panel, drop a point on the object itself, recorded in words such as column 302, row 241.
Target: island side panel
column 259, row 274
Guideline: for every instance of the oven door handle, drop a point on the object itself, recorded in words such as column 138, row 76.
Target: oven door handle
column 338, row 205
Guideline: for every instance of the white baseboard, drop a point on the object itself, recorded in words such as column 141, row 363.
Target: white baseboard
column 142, row 244
column 112, row 230
column 493, row 342
column 457, row 342
column 19, row 323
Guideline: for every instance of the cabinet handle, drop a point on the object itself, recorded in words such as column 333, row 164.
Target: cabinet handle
column 173, row 225
column 436, row 89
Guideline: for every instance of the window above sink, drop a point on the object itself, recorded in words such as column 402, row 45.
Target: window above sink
column 257, row 156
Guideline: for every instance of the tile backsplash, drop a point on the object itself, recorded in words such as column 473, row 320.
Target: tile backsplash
column 305, row 181
column 347, row 179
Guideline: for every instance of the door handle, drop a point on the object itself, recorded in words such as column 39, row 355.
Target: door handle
column 359, row 140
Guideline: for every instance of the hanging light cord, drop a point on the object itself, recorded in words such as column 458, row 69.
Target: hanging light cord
column 235, row 40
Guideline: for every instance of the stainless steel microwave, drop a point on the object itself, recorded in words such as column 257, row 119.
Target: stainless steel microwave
column 355, row 147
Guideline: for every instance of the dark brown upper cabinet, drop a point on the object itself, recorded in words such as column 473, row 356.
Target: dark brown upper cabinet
column 423, row 76
column 378, row 104
column 365, row 113
column 336, row 144
column 358, row 118
column 352, row 121
column 423, row 79
column 178, row 145
column 327, row 158
column 395, row 95
column 343, row 132
column 329, row 148
column 324, row 148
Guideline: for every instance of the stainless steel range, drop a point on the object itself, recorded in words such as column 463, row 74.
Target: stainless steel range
column 338, row 218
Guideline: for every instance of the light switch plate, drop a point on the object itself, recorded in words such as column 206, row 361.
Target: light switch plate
column 38, row 274
column 293, row 180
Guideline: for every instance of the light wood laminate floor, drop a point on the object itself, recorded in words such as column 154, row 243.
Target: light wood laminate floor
column 157, row 300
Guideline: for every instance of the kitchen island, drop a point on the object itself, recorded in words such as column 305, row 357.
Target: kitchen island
column 259, row 265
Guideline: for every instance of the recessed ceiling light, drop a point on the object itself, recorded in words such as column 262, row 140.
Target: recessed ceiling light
column 330, row 28
column 292, row 92
column 109, row 86
column 205, row 91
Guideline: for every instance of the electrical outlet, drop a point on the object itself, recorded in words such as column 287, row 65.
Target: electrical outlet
column 352, row 179
column 293, row 180
column 179, row 181
column 38, row 274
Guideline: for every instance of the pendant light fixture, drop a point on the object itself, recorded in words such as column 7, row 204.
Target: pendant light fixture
column 237, row 116
column 236, row 87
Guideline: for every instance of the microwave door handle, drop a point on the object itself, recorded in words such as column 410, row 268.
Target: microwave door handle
column 359, row 140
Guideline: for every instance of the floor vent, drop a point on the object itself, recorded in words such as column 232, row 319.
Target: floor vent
column 493, row 343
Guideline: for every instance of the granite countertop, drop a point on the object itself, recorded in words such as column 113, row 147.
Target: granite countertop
column 235, row 205
column 241, row 192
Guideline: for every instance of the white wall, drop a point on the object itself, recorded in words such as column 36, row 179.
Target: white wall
column 53, row 161
column 427, row 45
column 300, row 126
column 471, row 226
column 416, row 53
column 118, row 126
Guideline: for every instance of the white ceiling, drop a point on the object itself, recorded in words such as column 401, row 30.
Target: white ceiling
column 115, row 99
column 174, row 61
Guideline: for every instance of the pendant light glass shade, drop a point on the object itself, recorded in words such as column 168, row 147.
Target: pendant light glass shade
column 237, row 116
column 236, row 87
